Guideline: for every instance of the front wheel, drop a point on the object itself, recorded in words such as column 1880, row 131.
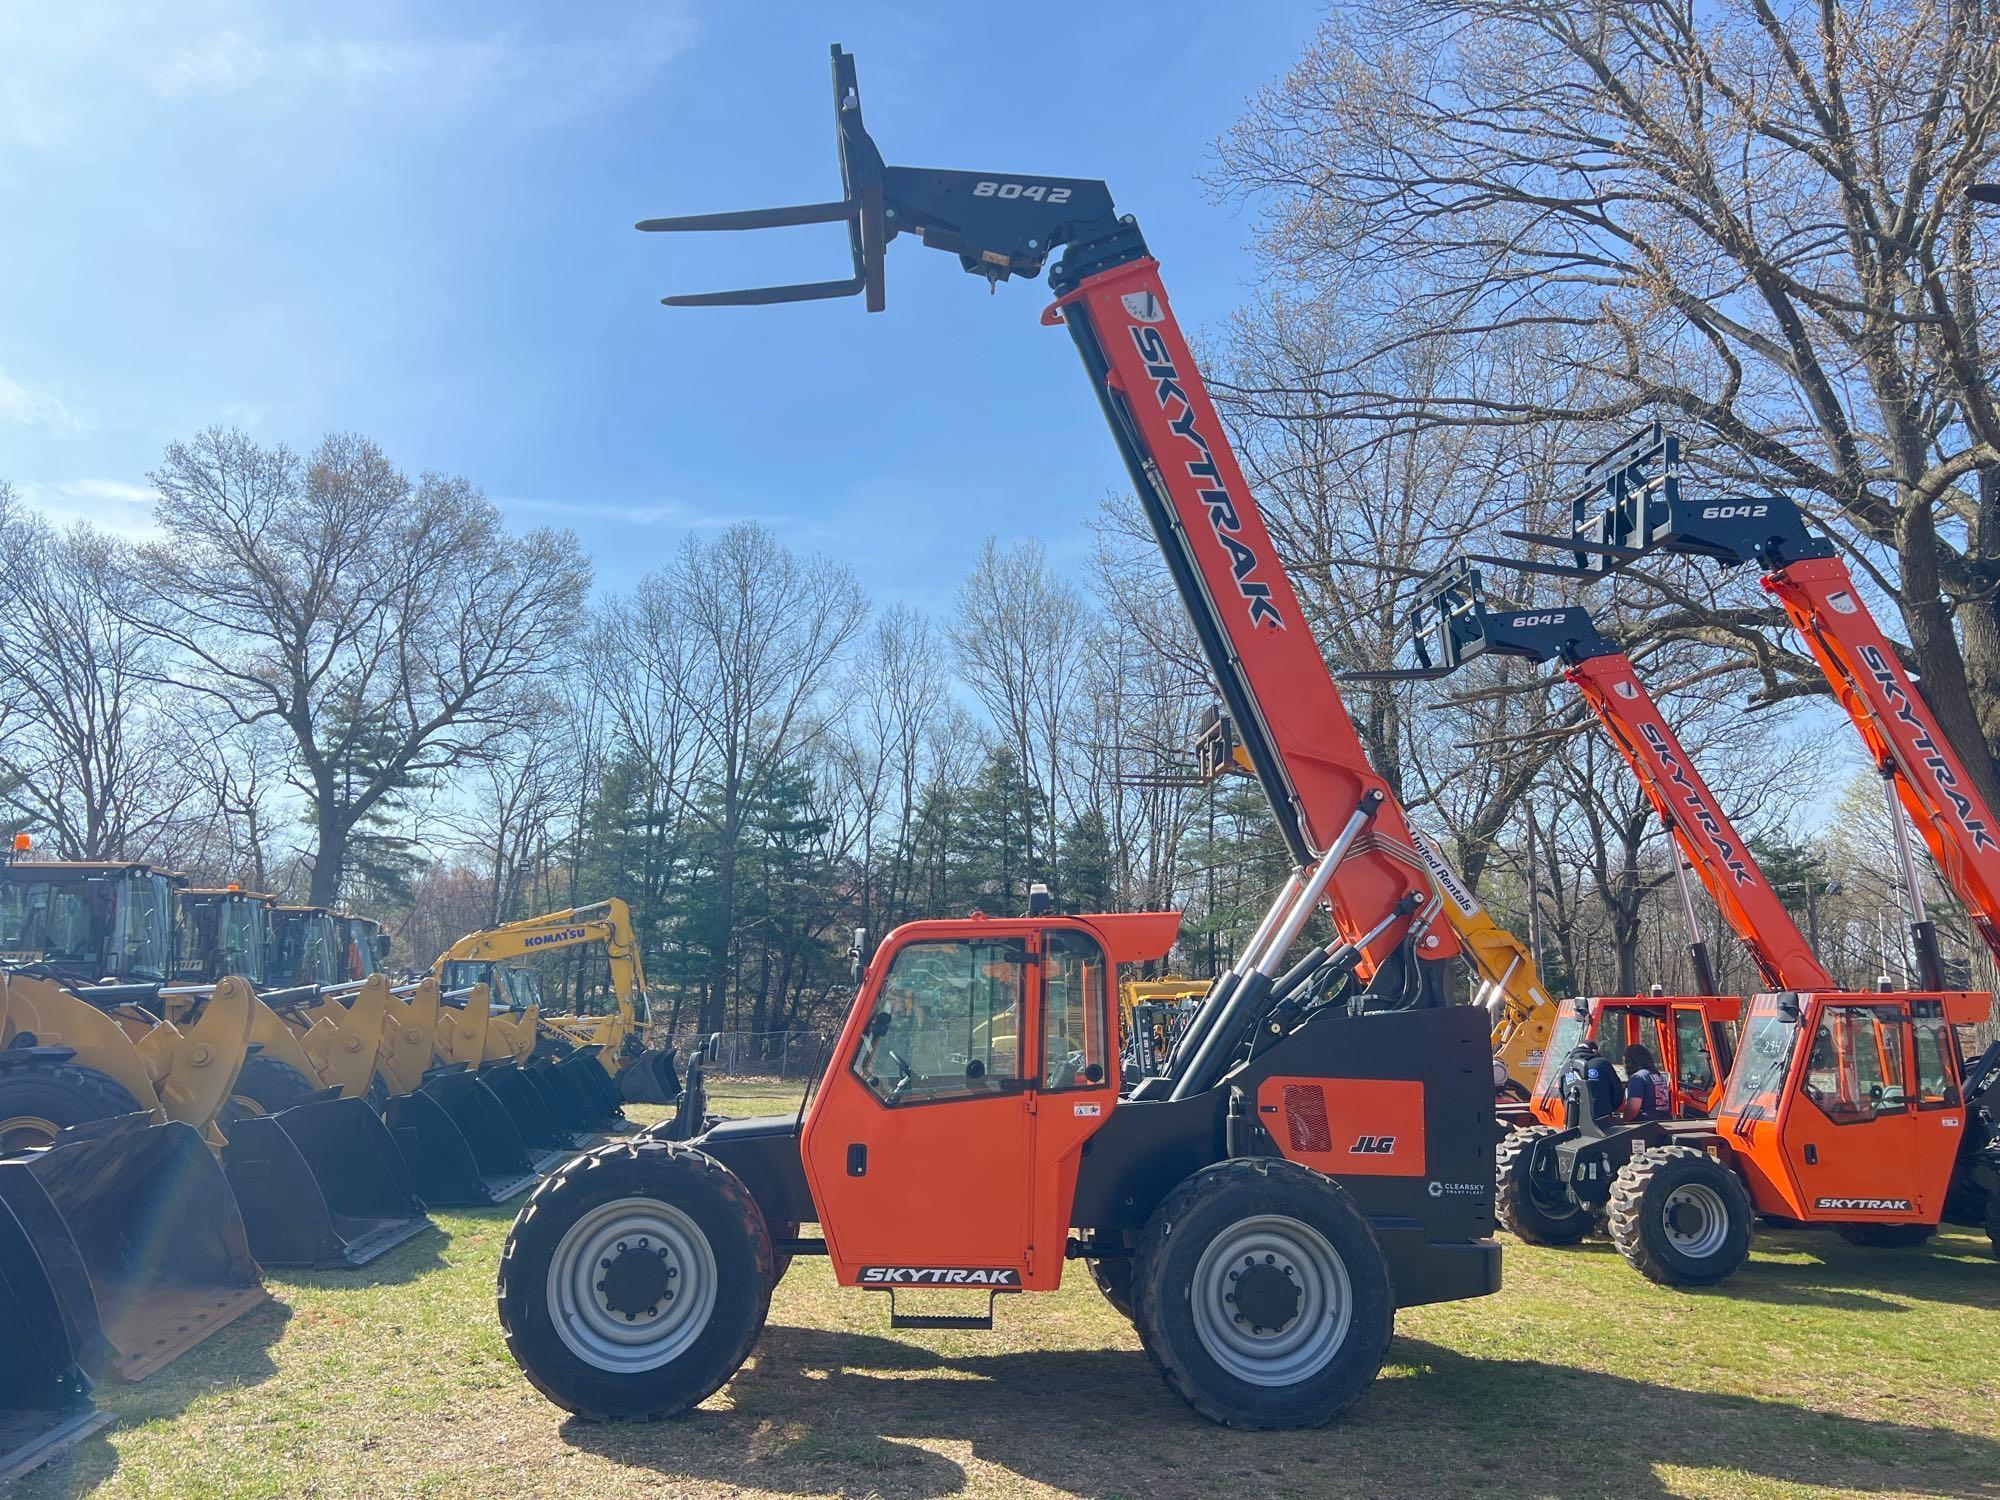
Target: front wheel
column 635, row 1280
column 1539, row 1212
column 1113, row 1276
column 1679, row 1217
column 1262, row 1294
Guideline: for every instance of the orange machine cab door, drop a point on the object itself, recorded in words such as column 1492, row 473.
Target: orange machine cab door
column 1851, row 1131
column 1697, row 1060
column 943, row 1148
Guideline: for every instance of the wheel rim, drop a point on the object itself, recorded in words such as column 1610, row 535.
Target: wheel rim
column 1271, row 1300
column 632, row 1285
column 24, row 1132
column 1695, row 1219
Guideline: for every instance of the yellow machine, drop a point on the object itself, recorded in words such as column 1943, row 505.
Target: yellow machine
column 1510, row 987
column 318, row 1181
column 1151, row 1013
column 143, row 1176
column 618, row 1038
column 465, row 1141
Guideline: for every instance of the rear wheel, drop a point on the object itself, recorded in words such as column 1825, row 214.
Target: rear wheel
column 265, row 1086
column 635, row 1280
column 39, row 1100
column 1679, row 1217
column 1540, row 1213
column 1263, row 1295
column 1887, row 1236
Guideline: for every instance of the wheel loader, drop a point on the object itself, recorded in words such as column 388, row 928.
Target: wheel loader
column 317, row 1178
column 374, row 1042
column 1317, row 1152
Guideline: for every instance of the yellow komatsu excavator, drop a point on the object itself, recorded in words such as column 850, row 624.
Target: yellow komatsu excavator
column 618, row 1040
column 1508, row 983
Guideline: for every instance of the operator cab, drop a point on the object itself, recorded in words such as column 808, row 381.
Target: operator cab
column 87, row 919
column 1691, row 1038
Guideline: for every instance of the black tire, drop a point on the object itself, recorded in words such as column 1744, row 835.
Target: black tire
column 265, row 1086
column 781, row 1260
column 1524, row 1212
column 1993, row 1221
column 713, row 1212
column 1113, row 1275
column 38, row 1099
column 1181, row 1305
column 1687, row 1181
column 1887, row 1236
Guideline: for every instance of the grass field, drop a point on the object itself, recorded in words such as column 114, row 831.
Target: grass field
column 1822, row 1369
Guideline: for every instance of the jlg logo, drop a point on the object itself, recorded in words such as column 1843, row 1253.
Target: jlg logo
column 1373, row 1145
column 1734, row 512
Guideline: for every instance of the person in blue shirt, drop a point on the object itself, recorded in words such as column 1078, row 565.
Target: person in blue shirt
column 1646, row 1094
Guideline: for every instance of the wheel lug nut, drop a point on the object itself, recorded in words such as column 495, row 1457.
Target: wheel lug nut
column 1239, row 1317
column 1270, row 1260
column 605, row 1264
column 601, row 1286
column 673, row 1271
column 1226, row 1296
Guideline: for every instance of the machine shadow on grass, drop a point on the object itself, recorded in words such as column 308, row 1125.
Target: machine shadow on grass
column 237, row 1358
column 824, row 1413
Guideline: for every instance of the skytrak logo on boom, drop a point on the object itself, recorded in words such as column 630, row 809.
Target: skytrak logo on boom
column 1222, row 517
column 1934, row 761
column 1705, row 815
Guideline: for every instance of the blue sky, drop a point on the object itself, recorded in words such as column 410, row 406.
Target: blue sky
column 415, row 222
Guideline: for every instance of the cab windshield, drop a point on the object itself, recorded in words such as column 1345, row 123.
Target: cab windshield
column 1571, row 1022
column 55, row 922
column 145, row 917
column 1762, row 1059
column 239, row 940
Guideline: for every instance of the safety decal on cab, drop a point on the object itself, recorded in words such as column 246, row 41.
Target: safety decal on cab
column 1089, row 1111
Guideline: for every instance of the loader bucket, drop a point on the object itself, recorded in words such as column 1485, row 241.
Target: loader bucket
column 140, row 1236
column 584, row 1072
column 568, row 1109
column 546, row 1142
column 45, row 1405
column 460, row 1145
column 321, row 1184
column 652, row 1078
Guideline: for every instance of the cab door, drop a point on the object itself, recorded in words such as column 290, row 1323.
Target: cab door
column 918, row 1146
column 1851, row 1129
column 1691, row 1062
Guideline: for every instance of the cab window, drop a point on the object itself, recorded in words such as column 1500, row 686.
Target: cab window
column 1692, row 1062
column 947, row 1023
column 1937, row 1085
column 1855, row 1069
column 1074, row 1043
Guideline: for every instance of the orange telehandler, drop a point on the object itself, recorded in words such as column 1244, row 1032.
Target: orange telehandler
column 1855, row 1110
column 1317, row 1152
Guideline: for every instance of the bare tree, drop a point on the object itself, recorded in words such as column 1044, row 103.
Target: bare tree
column 86, row 755
column 1750, row 216
column 768, row 627
column 392, row 627
column 1021, row 631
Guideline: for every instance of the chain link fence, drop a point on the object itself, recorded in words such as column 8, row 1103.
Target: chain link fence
column 757, row 1054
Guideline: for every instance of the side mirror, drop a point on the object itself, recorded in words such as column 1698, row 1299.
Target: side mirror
column 857, row 953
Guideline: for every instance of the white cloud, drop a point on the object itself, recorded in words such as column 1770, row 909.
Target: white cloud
column 87, row 72
column 113, row 505
column 22, row 407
